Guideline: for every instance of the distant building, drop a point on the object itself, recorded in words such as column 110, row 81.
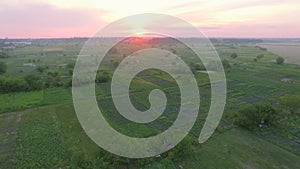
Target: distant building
column 53, row 65
column 14, row 45
column 9, row 47
column 29, row 64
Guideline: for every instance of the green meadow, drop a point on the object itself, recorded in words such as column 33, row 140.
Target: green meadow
column 39, row 127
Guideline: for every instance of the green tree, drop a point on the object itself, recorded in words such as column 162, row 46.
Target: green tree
column 226, row 63
column 253, row 116
column 234, row 55
column 34, row 82
column 3, row 55
column 12, row 84
column 259, row 56
column 290, row 103
column 41, row 69
column 102, row 77
column 71, row 65
column 182, row 150
column 280, row 60
column 3, row 67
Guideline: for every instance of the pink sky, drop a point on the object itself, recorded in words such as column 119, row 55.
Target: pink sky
column 215, row 18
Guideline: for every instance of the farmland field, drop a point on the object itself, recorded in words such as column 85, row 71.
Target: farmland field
column 39, row 127
column 290, row 51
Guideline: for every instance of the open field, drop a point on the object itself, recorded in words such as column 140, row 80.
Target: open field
column 48, row 136
column 39, row 128
column 290, row 51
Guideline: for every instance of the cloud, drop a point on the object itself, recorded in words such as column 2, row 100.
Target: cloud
column 31, row 19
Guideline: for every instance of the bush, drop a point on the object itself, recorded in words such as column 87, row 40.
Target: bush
column 226, row 63
column 12, row 85
column 280, row 60
column 197, row 66
column 3, row 67
column 259, row 56
column 41, row 69
column 256, row 116
column 34, row 82
column 3, row 55
column 182, row 150
column 290, row 103
column 102, row 77
column 234, row 55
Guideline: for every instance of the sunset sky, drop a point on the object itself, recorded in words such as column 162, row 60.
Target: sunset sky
column 215, row 18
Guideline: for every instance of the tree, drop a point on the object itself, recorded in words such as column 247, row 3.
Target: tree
column 41, row 69
column 226, row 63
column 12, row 84
column 3, row 55
column 182, row 150
column 197, row 66
column 234, row 55
column 254, row 116
column 116, row 64
column 102, row 77
column 259, row 56
column 3, row 67
column 280, row 60
column 71, row 65
column 173, row 51
column 290, row 103
column 34, row 82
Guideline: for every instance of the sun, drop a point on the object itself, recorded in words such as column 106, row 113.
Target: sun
column 139, row 32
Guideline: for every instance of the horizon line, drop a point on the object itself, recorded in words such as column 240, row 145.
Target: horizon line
column 210, row 37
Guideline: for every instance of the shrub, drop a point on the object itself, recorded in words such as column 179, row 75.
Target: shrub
column 12, row 84
column 255, row 116
column 259, row 56
column 102, row 77
column 280, row 60
column 234, row 55
column 3, row 67
column 226, row 63
column 290, row 103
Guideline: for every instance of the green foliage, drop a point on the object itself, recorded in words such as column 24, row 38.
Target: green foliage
column 102, row 77
column 290, row 103
column 182, row 150
column 41, row 69
column 162, row 164
column 34, row 82
column 52, row 80
column 3, row 55
column 226, row 63
column 71, row 65
column 39, row 144
column 197, row 66
column 104, row 159
column 259, row 56
column 280, row 60
column 255, row 116
column 234, row 55
column 3, row 67
column 24, row 100
column 13, row 84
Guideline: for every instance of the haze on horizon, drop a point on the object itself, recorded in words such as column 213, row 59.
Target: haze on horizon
column 215, row 18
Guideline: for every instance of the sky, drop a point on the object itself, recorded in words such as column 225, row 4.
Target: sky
column 214, row 18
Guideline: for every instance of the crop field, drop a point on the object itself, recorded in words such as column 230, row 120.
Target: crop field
column 39, row 128
column 290, row 51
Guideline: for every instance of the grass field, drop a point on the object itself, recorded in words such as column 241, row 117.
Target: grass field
column 39, row 129
column 46, row 136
